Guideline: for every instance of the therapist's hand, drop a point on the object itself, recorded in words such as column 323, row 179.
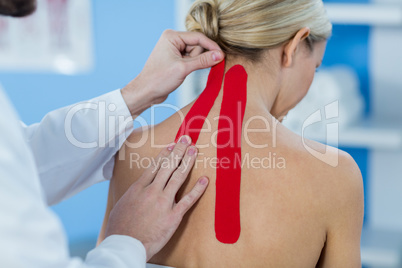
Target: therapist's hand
column 174, row 57
column 148, row 210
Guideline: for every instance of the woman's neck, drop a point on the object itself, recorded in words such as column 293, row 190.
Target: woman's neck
column 262, row 87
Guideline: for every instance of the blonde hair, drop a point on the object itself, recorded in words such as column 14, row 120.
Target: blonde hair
column 247, row 27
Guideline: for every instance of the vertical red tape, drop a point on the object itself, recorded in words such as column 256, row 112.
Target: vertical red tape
column 195, row 118
column 228, row 172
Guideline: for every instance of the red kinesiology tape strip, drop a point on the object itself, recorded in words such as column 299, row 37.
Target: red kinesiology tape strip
column 195, row 118
column 228, row 172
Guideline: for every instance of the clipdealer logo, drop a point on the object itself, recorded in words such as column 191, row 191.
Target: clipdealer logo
column 108, row 125
column 331, row 154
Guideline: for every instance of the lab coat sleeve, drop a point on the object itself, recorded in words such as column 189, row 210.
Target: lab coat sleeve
column 74, row 147
column 31, row 234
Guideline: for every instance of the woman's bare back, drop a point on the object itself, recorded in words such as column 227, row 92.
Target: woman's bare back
column 295, row 210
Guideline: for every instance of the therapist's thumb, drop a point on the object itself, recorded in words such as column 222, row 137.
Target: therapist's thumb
column 204, row 60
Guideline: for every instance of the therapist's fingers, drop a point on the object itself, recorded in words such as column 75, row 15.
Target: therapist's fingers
column 150, row 214
column 149, row 174
column 194, row 51
column 181, row 173
column 170, row 164
column 197, row 39
column 202, row 61
column 192, row 197
column 211, row 57
column 174, row 57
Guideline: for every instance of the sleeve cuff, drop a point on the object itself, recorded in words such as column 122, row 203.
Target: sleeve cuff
column 116, row 98
column 118, row 251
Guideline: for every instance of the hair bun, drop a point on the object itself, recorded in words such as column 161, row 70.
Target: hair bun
column 204, row 17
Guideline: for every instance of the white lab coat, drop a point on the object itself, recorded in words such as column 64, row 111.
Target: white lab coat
column 40, row 166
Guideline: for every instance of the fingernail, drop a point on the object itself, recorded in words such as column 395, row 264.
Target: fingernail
column 185, row 140
column 216, row 56
column 171, row 147
column 203, row 181
column 192, row 151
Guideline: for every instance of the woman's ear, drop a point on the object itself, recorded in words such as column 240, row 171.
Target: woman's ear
column 291, row 47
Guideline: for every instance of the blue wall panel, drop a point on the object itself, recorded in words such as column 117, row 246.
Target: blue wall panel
column 349, row 46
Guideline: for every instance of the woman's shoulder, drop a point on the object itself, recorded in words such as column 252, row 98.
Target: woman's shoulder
column 326, row 169
column 335, row 175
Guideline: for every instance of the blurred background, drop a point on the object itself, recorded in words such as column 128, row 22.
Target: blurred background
column 74, row 50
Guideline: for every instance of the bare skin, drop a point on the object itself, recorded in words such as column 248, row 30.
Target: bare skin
column 298, row 212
